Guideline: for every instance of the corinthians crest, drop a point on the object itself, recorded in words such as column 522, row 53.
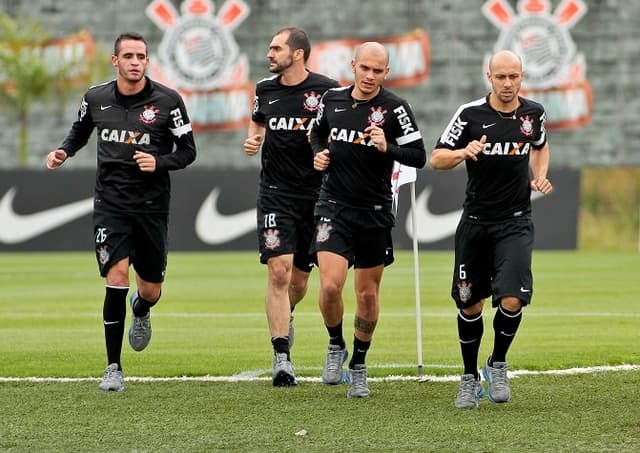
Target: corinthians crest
column 148, row 116
column 272, row 239
column 198, row 50
column 377, row 116
column 540, row 38
column 312, row 101
column 555, row 72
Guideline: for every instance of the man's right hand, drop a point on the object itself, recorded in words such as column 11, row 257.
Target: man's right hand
column 56, row 158
column 321, row 160
column 252, row 145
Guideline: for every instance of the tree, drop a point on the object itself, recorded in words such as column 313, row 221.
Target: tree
column 26, row 74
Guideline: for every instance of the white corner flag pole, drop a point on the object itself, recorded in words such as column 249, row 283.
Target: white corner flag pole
column 416, row 272
column 400, row 177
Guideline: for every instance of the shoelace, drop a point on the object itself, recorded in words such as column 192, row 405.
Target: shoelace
column 359, row 379
column 468, row 389
column 499, row 378
column 140, row 326
column 110, row 373
column 333, row 360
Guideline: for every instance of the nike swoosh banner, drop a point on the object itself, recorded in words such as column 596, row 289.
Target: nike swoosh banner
column 215, row 210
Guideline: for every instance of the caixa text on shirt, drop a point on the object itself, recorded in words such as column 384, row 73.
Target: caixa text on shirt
column 506, row 149
column 119, row 136
column 290, row 124
column 351, row 136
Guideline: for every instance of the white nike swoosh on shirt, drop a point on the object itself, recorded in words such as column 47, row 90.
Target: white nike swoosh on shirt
column 213, row 227
column 485, row 126
column 338, row 110
column 105, row 107
column 435, row 227
column 273, row 101
column 19, row 228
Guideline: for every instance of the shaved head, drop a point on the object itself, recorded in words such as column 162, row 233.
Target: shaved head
column 504, row 57
column 371, row 48
column 370, row 66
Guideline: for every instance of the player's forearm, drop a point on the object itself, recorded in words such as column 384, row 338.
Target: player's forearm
column 318, row 140
column 412, row 156
column 77, row 137
column 184, row 154
column 256, row 128
column 539, row 162
column 445, row 159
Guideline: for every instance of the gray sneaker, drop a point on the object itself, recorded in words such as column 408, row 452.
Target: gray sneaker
column 470, row 392
column 291, row 332
column 140, row 330
column 496, row 375
column 283, row 373
column 332, row 372
column 112, row 380
column 358, row 387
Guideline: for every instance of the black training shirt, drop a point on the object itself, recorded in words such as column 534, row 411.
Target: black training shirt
column 498, row 184
column 287, row 113
column 154, row 121
column 358, row 174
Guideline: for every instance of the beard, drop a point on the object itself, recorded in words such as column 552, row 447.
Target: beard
column 279, row 68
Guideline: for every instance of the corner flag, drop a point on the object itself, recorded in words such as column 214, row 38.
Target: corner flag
column 402, row 175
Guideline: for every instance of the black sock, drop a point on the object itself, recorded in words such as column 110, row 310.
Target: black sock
column 141, row 306
column 281, row 345
column 505, row 326
column 335, row 335
column 114, row 311
column 360, row 349
column 470, row 330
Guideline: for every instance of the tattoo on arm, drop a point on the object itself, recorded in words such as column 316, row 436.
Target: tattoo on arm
column 364, row 326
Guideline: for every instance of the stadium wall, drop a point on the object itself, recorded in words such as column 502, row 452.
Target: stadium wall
column 583, row 61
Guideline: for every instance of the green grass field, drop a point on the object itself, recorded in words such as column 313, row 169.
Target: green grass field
column 203, row 383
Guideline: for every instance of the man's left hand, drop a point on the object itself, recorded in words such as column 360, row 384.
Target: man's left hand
column 146, row 162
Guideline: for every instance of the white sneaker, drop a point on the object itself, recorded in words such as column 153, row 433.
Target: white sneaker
column 470, row 392
column 358, row 387
column 140, row 330
column 283, row 373
column 496, row 376
column 332, row 371
column 112, row 380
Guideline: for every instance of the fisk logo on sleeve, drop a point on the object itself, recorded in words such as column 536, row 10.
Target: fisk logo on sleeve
column 451, row 136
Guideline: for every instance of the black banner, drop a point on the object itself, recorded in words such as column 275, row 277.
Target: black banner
column 215, row 210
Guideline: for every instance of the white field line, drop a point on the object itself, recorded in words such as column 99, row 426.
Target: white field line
column 392, row 314
column 250, row 377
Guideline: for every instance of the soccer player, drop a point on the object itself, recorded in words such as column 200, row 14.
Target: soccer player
column 359, row 132
column 501, row 139
column 138, row 123
column 285, row 107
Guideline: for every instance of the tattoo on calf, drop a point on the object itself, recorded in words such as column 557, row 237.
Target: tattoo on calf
column 363, row 325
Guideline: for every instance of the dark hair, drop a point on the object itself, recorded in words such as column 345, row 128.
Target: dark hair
column 297, row 39
column 129, row 36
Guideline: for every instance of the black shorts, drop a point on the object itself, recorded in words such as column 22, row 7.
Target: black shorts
column 141, row 237
column 360, row 236
column 493, row 260
column 285, row 226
